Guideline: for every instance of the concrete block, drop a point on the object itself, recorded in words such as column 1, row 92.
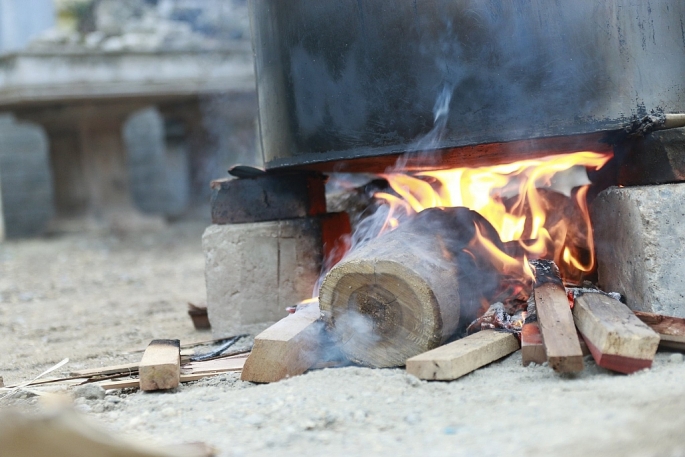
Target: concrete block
column 640, row 245
column 254, row 271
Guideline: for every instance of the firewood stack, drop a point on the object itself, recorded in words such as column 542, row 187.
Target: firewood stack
column 402, row 299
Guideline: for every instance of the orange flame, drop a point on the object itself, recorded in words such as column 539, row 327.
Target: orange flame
column 529, row 203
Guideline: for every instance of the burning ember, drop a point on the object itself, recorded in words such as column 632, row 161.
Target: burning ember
column 538, row 207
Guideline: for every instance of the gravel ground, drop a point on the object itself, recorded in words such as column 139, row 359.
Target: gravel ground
column 93, row 298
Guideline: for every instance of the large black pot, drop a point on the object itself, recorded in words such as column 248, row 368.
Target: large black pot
column 339, row 79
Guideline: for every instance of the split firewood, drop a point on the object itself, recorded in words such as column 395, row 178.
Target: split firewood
column 463, row 356
column 288, row 348
column 160, row 368
column 671, row 330
column 617, row 339
column 532, row 349
column 402, row 294
column 558, row 331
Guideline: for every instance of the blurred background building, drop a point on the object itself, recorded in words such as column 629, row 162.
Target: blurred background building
column 118, row 113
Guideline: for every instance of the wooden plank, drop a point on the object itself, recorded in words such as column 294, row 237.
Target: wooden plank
column 288, row 348
column 557, row 329
column 134, row 383
column 555, row 320
column 583, row 345
column 532, row 349
column 618, row 340
column 126, row 368
column 198, row 376
column 671, row 330
column 463, row 356
column 160, row 368
column 120, row 384
column 215, row 365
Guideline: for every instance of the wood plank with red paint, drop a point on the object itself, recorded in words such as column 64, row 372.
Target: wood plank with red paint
column 671, row 330
column 532, row 348
column 617, row 339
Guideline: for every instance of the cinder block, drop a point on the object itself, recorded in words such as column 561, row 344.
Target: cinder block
column 254, row 271
column 640, row 245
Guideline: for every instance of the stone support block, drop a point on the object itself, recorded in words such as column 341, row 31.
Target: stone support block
column 268, row 197
column 640, row 245
column 254, row 271
column 657, row 158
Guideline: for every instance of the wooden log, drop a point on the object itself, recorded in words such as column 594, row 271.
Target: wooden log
column 558, row 331
column 463, row 356
column 617, row 339
column 532, row 349
column 288, row 348
column 401, row 294
column 160, row 368
column 671, row 330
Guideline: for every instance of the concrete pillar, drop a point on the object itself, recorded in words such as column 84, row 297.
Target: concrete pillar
column 27, row 197
column 89, row 165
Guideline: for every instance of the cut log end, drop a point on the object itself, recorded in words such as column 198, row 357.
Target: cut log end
column 381, row 312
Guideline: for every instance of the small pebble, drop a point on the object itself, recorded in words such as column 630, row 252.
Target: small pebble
column 89, row 391
column 413, row 380
column 676, row 357
column 255, row 419
column 412, row 419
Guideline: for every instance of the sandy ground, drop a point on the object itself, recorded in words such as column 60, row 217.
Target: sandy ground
column 92, row 298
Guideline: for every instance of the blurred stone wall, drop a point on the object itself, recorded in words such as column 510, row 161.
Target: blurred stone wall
column 27, row 195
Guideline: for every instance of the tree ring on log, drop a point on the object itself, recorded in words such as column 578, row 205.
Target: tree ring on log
column 379, row 305
column 380, row 312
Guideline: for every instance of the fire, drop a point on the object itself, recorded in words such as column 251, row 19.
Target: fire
column 537, row 206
